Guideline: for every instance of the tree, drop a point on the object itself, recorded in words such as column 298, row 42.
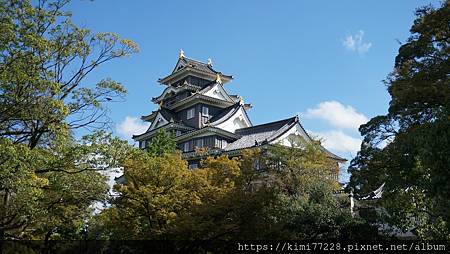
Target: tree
column 44, row 99
column 300, row 166
column 306, row 206
column 163, row 199
column 281, row 193
column 232, row 206
column 155, row 193
column 162, row 143
column 408, row 148
column 43, row 63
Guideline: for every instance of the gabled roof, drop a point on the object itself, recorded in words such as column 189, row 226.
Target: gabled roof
column 168, row 126
column 166, row 113
column 149, row 117
column 267, row 127
column 224, row 114
column 207, row 131
column 175, row 90
column 332, row 155
column 184, row 62
column 259, row 134
column 199, row 98
column 266, row 133
column 185, row 65
column 216, row 87
column 169, row 115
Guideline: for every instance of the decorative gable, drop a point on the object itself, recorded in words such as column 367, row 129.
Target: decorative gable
column 297, row 129
column 217, row 91
column 238, row 120
column 158, row 122
column 180, row 64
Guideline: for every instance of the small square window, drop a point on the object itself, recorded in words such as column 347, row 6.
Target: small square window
column 186, row 147
column 190, row 113
column 205, row 111
column 199, row 143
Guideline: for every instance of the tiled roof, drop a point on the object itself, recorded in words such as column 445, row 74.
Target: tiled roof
column 208, row 129
column 332, row 155
column 187, row 62
column 150, row 116
column 224, row 114
column 256, row 135
column 177, row 126
column 168, row 115
column 176, row 90
column 196, row 98
column 273, row 126
column 248, row 141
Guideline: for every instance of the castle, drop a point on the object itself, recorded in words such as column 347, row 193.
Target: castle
column 200, row 113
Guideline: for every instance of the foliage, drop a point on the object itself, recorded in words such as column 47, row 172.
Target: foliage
column 227, row 198
column 154, row 194
column 306, row 206
column 408, row 148
column 48, row 178
column 300, row 166
column 232, row 205
column 17, row 177
column 43, row 63
column 162, row 143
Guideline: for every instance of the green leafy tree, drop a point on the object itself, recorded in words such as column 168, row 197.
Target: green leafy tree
column 157, row 190
column 162, row 143
column 306, row 206
column 408, row 148
column 300, row 166
column 233, row 202
column 20, row 187
column 48, row 177
column 251, row 197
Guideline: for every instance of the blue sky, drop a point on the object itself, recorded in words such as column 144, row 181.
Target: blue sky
column 324, row 60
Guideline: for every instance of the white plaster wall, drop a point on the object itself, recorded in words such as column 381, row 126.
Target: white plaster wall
column 218, row 92
column 234, row 122
column 296, row 130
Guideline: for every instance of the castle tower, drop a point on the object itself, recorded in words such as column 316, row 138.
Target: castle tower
column 200, row 113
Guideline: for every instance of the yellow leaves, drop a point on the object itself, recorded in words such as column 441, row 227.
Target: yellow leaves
column 130, row 45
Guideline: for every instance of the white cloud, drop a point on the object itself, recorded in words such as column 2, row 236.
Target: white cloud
column 355, row 43
column 338, row 141
column 336, row 114
column 131, row 126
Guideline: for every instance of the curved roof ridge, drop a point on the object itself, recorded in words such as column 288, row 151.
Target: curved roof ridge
column 188, row 60
column 267, row 126
column 176, row 90
column 207, row 129
column 284, row 129
column 181, row 126
column 225, row 114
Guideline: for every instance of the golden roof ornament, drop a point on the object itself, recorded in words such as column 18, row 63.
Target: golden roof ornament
column 219, row 79
column 210, row 63
column 181, row 54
